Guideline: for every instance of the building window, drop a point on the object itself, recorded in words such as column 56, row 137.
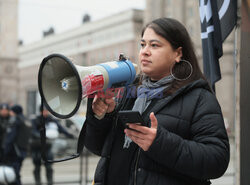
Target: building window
column 31, row 103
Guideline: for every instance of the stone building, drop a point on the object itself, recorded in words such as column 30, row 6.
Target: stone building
column 8, row 51
column 90, row 44
column 96, row 42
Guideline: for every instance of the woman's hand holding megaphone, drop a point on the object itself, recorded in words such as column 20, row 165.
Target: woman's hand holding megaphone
column 101, row 106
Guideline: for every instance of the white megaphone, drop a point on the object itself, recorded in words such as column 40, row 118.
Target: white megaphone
column 62, row 85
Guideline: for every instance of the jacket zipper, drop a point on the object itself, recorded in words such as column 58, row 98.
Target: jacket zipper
column 136, row 165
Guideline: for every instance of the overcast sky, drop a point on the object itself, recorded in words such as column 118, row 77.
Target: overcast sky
column 36, row 16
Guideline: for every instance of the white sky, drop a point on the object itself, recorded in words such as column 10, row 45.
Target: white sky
column 36, row 16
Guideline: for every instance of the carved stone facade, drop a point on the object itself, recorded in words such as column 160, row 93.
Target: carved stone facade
column 8, row 51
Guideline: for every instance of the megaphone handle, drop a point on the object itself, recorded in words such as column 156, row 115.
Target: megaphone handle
column 101, row 116
column 114, row 92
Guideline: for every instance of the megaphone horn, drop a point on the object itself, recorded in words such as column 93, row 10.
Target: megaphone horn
column 62, row 85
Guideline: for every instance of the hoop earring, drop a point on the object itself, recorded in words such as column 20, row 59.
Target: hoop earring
column 180, row 65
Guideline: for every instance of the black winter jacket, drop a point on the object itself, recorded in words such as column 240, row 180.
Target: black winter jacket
column 191, row 146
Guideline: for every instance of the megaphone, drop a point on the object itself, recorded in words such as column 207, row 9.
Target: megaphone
column 62, row 85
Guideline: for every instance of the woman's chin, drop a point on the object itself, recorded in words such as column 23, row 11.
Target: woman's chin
column 146, row 70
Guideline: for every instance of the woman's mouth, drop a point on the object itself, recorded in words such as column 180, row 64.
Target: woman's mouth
column 145, row 62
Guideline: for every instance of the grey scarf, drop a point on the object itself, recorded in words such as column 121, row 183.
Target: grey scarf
column 145, row 93
column 150, row 90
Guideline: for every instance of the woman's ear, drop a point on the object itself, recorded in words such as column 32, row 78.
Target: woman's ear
column 178, row 54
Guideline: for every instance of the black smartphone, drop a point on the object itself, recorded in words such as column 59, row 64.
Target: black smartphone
column 128, row 116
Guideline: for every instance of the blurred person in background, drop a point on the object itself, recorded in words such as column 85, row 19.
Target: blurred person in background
column 50, row 123
column 16, row 140
column 4, row 119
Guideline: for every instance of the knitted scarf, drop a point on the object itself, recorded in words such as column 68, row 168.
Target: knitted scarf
column 150, row 90
column 145, row 93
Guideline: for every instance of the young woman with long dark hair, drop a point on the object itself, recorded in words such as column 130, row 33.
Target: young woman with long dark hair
column 185, row 143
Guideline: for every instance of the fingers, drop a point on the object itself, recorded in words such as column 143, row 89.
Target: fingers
column 111, row 104
column 142, row 140
column 100, row 105
column 153, row 119
column 109, row 100
column 95, row 98
column 143, row 136
column 136, row 137
column 138, row 128
column 135, row 133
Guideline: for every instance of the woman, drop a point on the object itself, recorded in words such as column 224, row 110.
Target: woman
column 186, row 142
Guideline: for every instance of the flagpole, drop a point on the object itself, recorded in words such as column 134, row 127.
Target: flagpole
column 235, row 103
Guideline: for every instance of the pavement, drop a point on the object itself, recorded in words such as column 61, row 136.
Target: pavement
column 72, row 172
column 80, row 171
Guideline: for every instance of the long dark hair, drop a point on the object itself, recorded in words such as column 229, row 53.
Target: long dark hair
column 176, row 34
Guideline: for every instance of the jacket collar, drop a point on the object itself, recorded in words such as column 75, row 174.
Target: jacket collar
column 183, row 90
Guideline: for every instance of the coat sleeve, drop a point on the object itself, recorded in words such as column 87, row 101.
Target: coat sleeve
column 206, row 154
column 96, row 130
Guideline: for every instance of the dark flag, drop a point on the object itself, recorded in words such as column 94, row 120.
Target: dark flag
column 218, row 18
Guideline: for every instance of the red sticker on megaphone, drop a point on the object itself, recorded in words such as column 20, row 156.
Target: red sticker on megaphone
column 92, row 83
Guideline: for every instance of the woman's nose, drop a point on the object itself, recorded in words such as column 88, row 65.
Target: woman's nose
column 145, row 50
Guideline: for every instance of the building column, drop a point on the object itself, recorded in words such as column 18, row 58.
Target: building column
column 244, row 129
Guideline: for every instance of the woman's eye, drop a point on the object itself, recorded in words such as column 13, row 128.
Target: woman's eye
column 142, row 45
column 154, row 45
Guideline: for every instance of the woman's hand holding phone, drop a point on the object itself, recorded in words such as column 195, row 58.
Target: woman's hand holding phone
column 143, row 136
